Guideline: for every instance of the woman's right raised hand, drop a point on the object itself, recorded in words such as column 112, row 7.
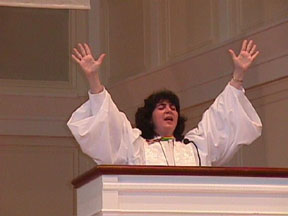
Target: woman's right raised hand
column 83, row 56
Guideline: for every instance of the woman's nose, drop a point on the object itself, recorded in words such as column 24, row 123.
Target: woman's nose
column 168, row 109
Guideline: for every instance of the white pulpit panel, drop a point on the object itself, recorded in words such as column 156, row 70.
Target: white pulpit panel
column 175, row 195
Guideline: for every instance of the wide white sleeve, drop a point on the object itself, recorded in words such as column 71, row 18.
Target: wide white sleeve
column 103, row 132
column 230, row 121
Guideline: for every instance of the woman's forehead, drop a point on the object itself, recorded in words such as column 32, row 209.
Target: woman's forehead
column 165, row 101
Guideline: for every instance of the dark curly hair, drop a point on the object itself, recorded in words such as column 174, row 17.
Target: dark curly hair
column 143, row 116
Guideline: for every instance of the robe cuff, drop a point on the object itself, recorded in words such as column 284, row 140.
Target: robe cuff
column 235, row 90
column 96, row 100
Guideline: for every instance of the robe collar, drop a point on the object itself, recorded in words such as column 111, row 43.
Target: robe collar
column 159, row 139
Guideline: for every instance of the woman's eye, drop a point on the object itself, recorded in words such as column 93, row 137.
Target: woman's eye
column 172, row 107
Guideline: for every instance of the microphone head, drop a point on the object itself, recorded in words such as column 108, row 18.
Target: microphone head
column 186, row 141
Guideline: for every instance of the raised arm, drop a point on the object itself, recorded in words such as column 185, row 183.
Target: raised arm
column 231, row 120
column 103, row 132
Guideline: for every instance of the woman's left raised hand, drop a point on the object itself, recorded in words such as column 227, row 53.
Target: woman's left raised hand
column 243, row 61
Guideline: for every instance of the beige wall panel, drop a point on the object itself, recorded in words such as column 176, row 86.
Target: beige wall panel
column 271, row 101
column 126, row 39
column 255, row 14
column 25, row 33
column 35, row 180
column 189, row 25
column 38, row 116
column 275, row 132
column 37, row 45
column 278, row 9
column 155, row 33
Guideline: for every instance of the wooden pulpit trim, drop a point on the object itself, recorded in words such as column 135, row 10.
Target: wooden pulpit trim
column 179, row 171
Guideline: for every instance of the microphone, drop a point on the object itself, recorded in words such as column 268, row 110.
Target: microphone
column 187, row 141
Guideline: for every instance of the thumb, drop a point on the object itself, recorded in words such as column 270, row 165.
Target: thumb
column 232, row 53
column 101, row 58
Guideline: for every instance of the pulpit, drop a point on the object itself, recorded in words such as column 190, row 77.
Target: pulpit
column 174, row 191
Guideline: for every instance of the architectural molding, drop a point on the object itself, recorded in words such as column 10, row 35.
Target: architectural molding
column 77, row 30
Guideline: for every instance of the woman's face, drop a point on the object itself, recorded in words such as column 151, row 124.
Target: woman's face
column 165, row 118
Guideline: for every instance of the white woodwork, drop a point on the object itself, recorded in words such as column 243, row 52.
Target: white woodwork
column 55, row 4
column 182, row 195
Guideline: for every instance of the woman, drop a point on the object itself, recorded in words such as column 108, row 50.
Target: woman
column 105, row 134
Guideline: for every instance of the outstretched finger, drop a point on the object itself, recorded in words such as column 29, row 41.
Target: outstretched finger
column 76, row 59
column 244, row 44
column 253, row 49
column 249, row 46
column 255, row 55
column 77, row 53
column 87, row 49
column 101, row 58
column 232, row 53
column 82, row 50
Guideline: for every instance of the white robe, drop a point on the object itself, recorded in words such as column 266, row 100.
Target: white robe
column 105, row 134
